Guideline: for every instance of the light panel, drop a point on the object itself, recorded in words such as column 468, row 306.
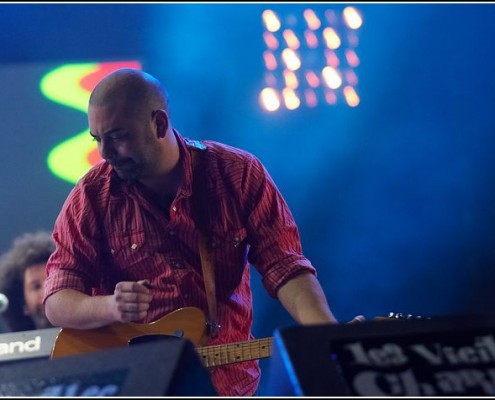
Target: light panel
column 310, row 59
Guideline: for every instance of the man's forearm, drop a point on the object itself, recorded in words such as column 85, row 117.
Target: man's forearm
column 72, row 309
column 305, row 300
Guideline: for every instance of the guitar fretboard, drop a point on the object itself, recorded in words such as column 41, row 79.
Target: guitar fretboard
column 235, row 352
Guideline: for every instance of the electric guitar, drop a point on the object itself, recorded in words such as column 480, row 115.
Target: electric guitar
column 186, row 322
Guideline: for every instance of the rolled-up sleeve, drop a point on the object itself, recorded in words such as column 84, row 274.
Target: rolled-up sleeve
column 275, row 246
column 76, row 257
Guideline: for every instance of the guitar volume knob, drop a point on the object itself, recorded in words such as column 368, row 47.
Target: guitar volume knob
column 178, row 333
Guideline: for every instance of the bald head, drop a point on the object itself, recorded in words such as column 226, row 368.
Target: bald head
column 138, row 89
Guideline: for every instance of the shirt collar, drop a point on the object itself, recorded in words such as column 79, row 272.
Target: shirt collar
column 185, row 159
column 185, row 189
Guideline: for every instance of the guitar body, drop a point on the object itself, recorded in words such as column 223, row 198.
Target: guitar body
column 187, row 322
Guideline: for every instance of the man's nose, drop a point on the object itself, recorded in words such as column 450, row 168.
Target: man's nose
column 106, row 149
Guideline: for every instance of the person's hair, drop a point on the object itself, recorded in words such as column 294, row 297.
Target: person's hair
column 27, row 249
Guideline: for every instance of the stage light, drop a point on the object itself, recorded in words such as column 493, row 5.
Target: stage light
column 270, row 99
column 310, row 58
column 70, row 86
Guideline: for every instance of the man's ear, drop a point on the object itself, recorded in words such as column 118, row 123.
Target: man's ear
column 162, row 123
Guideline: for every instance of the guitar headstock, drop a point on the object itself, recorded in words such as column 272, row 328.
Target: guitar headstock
column 400, row 316
column 395, row 315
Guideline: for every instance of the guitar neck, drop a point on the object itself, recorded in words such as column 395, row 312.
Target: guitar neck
column 214, row 356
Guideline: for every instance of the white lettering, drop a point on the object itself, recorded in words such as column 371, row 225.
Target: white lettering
column 476, row 378
column 449, row 382
column 53, row 391
column 433, row 358
column 73, row 390
column 371, row 383
column 21, row 347
column 108, row 390
column 4, row 348
column 457, row 382
column 468, row 355
column 359, row 353
column 389, row 354
column 33, row 344
column 483, row 350
column 486, row 348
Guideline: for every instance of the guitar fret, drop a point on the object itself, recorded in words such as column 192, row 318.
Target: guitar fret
column 235, row 352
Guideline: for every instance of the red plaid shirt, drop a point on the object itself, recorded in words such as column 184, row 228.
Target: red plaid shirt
column 109, row 231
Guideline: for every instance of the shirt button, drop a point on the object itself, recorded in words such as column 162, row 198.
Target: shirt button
column 174, row 208
column 134, row 246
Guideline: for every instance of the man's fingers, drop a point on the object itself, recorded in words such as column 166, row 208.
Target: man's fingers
column 146, row 283
column 133, row 287
column 133, row 293
column 357, row 318
column 135, row 307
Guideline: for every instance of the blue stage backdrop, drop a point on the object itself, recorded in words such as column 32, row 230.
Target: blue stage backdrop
column 393, row 196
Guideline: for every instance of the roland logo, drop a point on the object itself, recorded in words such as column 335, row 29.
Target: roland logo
column 19, row 347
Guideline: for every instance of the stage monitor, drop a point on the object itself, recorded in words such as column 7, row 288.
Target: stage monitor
column 444, row 356
column 159, row 368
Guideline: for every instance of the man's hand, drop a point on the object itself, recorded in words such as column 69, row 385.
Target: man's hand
column 131, row 300
column 357, row 318
column 69, row 308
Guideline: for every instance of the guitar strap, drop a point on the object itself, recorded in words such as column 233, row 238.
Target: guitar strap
column 200, row 214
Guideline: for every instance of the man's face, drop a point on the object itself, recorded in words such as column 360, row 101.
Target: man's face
column 34, row 279
column 126, row 140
